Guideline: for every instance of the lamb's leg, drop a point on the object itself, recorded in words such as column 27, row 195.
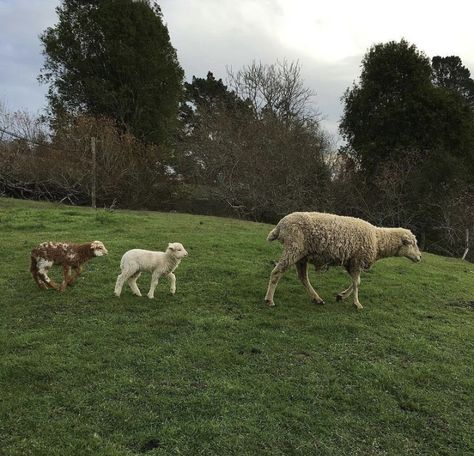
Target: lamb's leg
column 67, row 277
column 38, row 280
column 119, row 283
column 345, row 293
column 285, row 262
column 355, row 274
column 154, row 282
column 43, row 274
column 73, row 278
column 132, row 283
column 172, row 278
column 302, row 269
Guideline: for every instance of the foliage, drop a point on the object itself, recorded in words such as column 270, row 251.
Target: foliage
column 395, row 109
column 213, row 371
column 257, row 146
column 409, row 129
column 451, row 74
column 113, row 58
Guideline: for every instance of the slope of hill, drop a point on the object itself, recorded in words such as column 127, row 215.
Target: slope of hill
column 212, row 370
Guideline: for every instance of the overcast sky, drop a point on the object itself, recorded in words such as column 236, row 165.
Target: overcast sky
column 328, row 38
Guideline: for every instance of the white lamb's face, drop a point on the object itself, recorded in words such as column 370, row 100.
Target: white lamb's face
column 99, row 248
column 409, row 248
column 177, row 249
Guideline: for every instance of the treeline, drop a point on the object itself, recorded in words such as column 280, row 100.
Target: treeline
column 252, row 147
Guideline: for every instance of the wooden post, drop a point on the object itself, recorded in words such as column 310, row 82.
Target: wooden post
column 94, row 174
column 467, row 244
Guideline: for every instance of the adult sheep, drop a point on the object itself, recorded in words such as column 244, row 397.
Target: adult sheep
column 328, row 239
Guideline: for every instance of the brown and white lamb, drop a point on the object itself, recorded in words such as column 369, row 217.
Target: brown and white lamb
column 328, row 239
column 69, row 256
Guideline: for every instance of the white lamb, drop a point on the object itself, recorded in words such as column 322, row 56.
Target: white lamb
column 136, row 261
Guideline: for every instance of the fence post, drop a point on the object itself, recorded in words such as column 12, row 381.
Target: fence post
column 94, row 174
column 467, row 244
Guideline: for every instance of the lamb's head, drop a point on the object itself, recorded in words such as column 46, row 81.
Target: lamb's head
column 409, row 247
column 98, row 248
column 177, row 250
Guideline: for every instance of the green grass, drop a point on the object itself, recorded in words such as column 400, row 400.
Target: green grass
column 212, row 370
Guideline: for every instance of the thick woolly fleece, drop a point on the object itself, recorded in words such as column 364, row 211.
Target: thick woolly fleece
column 328, row 239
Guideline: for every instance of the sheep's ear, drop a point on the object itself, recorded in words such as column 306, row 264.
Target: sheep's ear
column 171, row 247
column 407, row 240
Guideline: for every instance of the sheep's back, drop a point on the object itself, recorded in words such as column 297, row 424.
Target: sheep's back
column 146, row 260
column 331, row 239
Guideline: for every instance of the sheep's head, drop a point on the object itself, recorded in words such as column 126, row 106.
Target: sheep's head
column 98, row 248
column 409, row 247
column 177, row 250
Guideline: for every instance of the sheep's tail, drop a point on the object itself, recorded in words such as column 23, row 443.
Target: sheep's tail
column 34, row 265
column 273, row 234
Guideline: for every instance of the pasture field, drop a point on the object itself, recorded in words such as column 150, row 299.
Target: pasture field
column 212, row 370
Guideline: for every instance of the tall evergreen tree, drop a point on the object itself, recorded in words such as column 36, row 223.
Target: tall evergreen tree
column 451, row 74
column 113, row 58
column 395, row 110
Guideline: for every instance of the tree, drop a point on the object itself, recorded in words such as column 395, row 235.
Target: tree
column 451, row 74
column 113, row 58
column 263, row 155
column 395, row 111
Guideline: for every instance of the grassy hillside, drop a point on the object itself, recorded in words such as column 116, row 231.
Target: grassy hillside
column 212, row 370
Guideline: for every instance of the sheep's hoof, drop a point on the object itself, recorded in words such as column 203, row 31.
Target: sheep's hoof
column 150, row 297
column 318, row 302
column 339, row 297
column 358, row 307
column 269, row 303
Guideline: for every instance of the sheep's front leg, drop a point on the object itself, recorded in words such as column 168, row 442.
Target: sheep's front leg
column 172, row 278
column 67, row 277
column 154, row 282
column 77, row 273
column 132, row 283
column 302, row 269
column 355, row 286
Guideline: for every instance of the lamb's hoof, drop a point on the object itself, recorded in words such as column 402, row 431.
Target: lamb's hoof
column 150, row 297
column 269, row 303
column 318, row 302
column 339, row 298
column 117, row 295
column 358, row 307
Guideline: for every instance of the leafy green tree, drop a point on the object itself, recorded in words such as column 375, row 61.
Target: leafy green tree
column 395, row 111
column 451, row 74
column 113, row 58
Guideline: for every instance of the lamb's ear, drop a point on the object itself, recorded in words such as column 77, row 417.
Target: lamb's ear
column 171, row 246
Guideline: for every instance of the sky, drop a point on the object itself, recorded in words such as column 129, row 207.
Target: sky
column 328, row 39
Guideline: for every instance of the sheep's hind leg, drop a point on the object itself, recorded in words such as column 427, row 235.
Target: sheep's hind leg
column 285, row 262
column 119, row 284
column 132, row 283
column 154, row 282
column 302, row 269
column 49, row 282
column 345, row 293
column 38, row 280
